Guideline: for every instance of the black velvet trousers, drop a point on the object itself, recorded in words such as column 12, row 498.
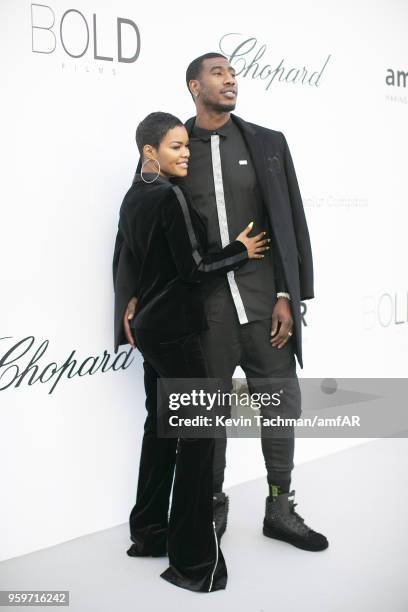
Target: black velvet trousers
column 196, row 561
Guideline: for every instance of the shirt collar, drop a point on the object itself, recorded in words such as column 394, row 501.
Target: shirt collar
column 203, row 134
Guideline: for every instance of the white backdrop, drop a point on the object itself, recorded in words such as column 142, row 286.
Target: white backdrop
column 70, row 447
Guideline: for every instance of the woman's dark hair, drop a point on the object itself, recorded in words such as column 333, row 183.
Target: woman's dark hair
column 153, row 129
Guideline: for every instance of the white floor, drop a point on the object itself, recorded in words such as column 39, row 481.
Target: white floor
column 357, row 498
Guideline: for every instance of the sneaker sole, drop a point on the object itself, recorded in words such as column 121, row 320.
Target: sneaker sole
column 272, row 534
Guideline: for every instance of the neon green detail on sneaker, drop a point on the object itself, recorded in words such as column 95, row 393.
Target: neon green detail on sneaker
column 275, row 490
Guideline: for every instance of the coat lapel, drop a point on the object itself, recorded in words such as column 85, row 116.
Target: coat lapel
column 256, row 149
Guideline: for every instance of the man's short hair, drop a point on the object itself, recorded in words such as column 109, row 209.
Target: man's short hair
column 194, row 68
column 153, row 129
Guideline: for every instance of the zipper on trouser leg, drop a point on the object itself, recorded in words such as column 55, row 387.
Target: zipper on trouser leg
column 216, row 557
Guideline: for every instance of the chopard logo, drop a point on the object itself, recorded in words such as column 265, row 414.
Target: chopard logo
column 23, row 364
column 245, row 54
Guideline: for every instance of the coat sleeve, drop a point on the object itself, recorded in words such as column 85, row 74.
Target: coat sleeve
column 125, row 285
column 126, row 272
column 116, row 256
column 280, row 283
column 305, row 259
column 191, row 262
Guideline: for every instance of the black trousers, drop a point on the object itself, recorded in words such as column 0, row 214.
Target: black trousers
column 228, row 344
column 196, row 561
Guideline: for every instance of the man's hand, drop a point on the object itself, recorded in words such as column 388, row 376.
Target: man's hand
column 282, row 323
column 127, row 317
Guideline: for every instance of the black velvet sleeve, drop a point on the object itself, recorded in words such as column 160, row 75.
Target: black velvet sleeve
column 192, row 263
column 125, row 276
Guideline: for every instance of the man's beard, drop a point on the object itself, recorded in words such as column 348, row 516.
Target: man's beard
column 219, row 107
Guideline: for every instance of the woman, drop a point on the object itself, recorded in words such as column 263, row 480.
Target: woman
column 164, row 243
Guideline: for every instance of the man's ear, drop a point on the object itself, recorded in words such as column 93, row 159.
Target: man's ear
column 194, row 88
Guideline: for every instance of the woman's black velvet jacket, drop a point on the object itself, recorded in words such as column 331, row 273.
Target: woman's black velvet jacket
column 160, row 258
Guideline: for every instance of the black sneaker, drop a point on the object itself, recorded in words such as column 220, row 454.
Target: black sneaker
column 283, row 523
column 220, row 510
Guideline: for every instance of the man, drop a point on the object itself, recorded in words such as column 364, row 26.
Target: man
column 241, row 172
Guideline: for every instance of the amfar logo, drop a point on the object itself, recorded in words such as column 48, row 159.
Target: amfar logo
column 303, row 313
column 396, row 78
column 75, row 33
column 245, row 55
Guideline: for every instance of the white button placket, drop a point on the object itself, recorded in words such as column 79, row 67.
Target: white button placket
column 223, row 223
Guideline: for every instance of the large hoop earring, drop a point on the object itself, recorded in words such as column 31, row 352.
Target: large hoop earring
column 158, row 172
